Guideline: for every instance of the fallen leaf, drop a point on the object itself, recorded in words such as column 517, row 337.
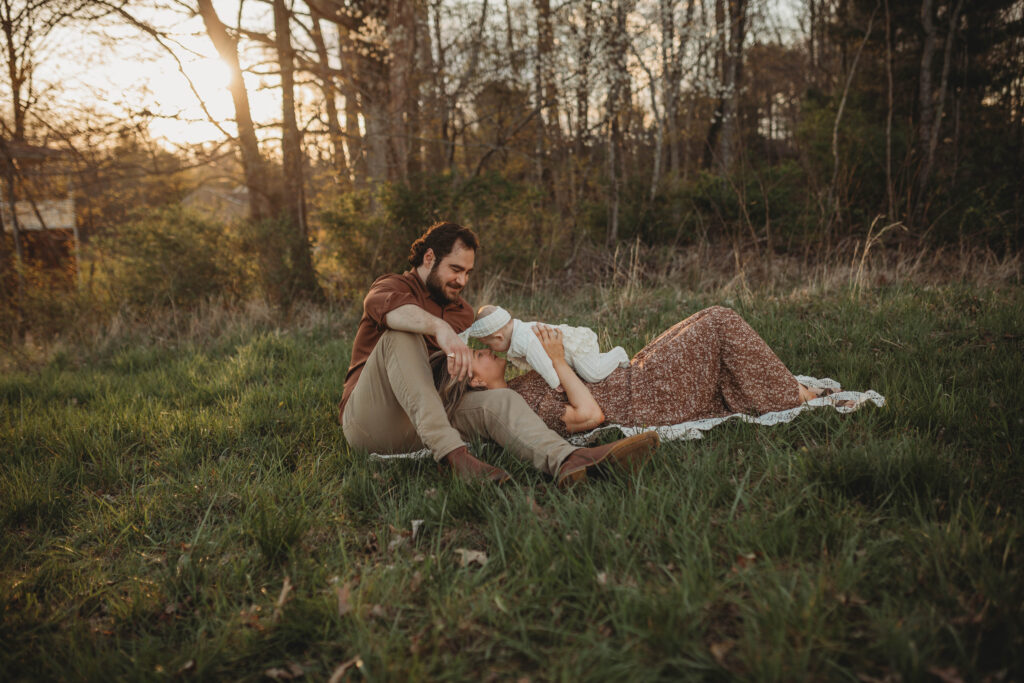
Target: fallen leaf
column 416, row 524
column 251, row 618
column 344, row 592
column 745, row 560
column 851, row 599
column 889, row 677
column 947, row 675
column 378, row 611
column 468, row 557
column 397, row 543
column 342, row 669
column 415, row 581
column 720, row 649
column 602, row 578
column 293, row 670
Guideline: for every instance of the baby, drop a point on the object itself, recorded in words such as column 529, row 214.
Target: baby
column 499, row 331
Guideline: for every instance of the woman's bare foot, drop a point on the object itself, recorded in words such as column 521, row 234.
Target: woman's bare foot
column 810, row 393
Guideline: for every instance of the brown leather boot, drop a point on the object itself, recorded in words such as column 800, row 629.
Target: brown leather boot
column 468, row 468
column 628, row 453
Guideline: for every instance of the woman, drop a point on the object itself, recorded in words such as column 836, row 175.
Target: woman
column 710, row 365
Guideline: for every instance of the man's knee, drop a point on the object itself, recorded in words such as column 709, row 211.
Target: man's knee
column 397, row 341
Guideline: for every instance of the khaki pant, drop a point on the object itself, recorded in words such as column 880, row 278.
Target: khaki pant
column 395, row 408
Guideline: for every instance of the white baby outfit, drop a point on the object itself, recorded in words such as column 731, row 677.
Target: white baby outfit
column 582, row 351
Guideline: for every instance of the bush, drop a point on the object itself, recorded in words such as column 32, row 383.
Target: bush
column 171, row 256
column 368, row 233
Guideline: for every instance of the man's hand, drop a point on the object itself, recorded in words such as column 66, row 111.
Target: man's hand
column 460, row 357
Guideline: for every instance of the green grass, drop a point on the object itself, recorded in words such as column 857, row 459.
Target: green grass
column 154, row 496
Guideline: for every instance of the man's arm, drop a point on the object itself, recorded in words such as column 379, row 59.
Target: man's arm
column 412, row 318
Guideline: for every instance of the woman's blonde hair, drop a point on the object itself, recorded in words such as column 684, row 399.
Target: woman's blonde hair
column 449, row 389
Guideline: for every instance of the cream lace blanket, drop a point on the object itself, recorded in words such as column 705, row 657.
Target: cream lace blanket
column 695, row 429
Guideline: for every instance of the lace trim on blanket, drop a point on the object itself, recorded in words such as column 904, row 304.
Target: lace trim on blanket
column 695, row 429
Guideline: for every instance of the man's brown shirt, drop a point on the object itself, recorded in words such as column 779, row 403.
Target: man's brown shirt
column 387, row 293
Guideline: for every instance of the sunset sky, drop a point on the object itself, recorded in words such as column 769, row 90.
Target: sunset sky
column 115, row 69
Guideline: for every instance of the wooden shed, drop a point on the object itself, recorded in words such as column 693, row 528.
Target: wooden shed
column 41, row 223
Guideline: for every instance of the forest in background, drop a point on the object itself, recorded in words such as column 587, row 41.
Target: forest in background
column 554, row 129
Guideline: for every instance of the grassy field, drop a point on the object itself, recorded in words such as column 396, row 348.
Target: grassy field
column 186, row 507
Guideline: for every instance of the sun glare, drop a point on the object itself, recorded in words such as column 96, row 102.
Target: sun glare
column 211, row 75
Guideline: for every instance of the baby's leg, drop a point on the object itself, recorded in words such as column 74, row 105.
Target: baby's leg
column 594, row 367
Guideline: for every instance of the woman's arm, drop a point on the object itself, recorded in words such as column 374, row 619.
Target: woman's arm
column 583, row 412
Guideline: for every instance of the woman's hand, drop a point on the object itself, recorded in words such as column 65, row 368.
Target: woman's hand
column 583, row 412
column 551, row 339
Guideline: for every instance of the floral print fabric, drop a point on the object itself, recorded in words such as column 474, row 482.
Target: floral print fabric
column 712, row 364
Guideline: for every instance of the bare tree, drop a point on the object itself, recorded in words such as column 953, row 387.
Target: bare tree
column 932, row 101
column 293, row 205
column 549, row 135
column 329, row 90
column 253, row 164
column 26, row 27
column 617, row 104
column 731, row 29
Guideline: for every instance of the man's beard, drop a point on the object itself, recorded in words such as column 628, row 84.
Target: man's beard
column 436, row 288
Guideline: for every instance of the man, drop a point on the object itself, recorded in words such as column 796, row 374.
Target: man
column 390, row 404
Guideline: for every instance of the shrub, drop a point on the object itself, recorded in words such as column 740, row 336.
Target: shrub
column 171, row 256
column 367, row 233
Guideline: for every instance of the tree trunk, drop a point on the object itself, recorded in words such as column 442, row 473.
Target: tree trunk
column 338, row 159
column 666, row 15
column 293, row 205
column 446, row 123
column 925, row 101
column 672, row 57
column 835, row 195
column 583, row 83
column 351, row 65
column 617, row 104
column 375, row 116
column 12, row 202
column 401, row 43
column 432, row 121
column 546, row 71
column 252, row 162
column 890, row 191
column 937, row 102
column 733, row 83
column 577, row 153
column 515, row 56
column 720, row 75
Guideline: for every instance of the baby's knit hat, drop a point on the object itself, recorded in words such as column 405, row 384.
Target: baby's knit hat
column 490, row 323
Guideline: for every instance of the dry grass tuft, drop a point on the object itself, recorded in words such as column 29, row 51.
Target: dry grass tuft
column 622, row 278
